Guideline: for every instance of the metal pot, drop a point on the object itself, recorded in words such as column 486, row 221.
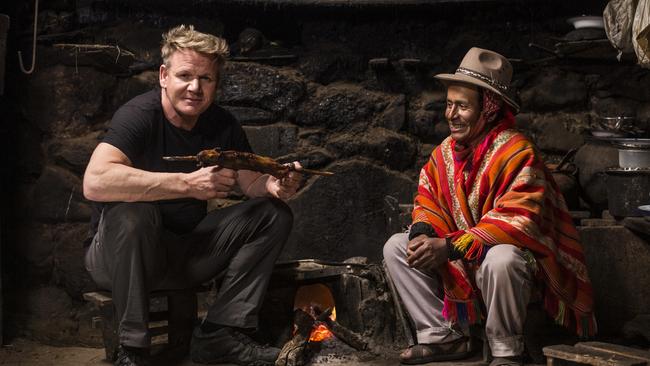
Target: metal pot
column 634, row 158
column 627, row 190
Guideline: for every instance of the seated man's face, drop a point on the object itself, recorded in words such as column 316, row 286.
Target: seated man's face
column 190, row 81
column 463, row 111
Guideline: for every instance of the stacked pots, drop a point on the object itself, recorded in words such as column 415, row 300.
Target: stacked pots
column 628, row 185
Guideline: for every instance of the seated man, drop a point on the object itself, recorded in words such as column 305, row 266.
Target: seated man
column 489, row 225
column 154, row 233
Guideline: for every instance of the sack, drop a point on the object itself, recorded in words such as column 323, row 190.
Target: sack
column 618, row 17
column 641, row 33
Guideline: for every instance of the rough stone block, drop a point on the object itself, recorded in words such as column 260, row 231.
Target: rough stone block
column 58, row 197
column 273, row 140
column 131, row 87
column 557, row 132
column 65, row 100
column 250, row 115
column 554, row 89
column 340, row 105
column 617, row 262
column 394, row 116
column 33, row 245
column 342, row 216
column 74, row 153
column 250, row 84
column 395, row 150
column 69, row 270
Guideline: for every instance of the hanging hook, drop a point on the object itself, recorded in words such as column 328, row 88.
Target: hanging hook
column 20, row 55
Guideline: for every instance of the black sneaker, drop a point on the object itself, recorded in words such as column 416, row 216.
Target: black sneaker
column 127, row 356
column 227, row 345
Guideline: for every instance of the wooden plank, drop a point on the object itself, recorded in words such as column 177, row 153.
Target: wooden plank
column 589, row 356
column 616, row 349
column 98, row 298
column 156, row 331
column 580, row 215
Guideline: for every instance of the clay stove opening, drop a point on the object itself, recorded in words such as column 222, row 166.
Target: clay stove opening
column 315, row 299
column 345, row 310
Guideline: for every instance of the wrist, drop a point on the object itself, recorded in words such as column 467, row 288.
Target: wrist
column 452, row 252
column 184, row 186
column 420, row 228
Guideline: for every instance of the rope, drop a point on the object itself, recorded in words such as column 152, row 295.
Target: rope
column 20, row 55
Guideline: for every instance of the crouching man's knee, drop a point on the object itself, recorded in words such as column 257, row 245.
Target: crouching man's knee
column 504, row 260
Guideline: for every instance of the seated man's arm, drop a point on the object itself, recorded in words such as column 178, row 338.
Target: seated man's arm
column 110, row 177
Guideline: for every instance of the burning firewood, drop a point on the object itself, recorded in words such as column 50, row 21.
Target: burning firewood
column 344, row 334
column 296, row 352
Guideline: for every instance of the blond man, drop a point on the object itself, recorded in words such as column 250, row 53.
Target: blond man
column 151, row 228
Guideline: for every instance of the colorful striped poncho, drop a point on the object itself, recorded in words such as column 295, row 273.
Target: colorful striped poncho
column 511, row 198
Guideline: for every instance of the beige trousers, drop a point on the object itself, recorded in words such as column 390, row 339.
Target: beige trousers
column 504, row 279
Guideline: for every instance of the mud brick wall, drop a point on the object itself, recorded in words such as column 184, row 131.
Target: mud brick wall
column 329, row 107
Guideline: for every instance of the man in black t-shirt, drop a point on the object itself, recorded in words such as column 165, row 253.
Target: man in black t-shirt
column 153, row 231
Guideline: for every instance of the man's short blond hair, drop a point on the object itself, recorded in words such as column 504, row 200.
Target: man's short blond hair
column 185, row 37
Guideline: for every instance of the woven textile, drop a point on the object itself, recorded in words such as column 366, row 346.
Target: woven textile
column 509, row 198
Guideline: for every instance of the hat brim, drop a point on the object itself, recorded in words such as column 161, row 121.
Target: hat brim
column 461, row 78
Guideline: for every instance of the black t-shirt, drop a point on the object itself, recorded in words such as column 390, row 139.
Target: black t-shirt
column 141, row 131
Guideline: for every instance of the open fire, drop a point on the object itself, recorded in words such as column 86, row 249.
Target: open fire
column 313, row 299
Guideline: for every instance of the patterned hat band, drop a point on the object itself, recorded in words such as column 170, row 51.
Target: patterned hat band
column 497, row 85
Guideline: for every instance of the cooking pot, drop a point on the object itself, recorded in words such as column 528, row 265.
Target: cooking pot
column 634, row 158
column 627, row 190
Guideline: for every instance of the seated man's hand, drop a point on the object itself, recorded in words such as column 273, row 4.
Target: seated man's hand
column 211, row 182
column 425, row 253
column 287, row 186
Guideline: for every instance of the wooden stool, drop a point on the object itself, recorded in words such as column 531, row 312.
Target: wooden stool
column 596, row 353
column 180, row 317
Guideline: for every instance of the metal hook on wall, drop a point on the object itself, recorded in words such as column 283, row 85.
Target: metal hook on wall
column 20, row 55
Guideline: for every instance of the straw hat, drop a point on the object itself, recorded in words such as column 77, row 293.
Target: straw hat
column 486, row 69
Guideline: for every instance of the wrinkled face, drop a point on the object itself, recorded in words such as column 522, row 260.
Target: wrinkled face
column 189, row 85
column 463, row 111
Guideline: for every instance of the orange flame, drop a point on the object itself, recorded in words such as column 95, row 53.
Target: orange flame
column 312, row 297
column 320, row 334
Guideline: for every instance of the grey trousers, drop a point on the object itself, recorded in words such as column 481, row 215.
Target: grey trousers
column 132, row 255
column 504, row 279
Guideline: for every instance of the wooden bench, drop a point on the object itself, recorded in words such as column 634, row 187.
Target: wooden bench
column 595, row 353
column 176, row 321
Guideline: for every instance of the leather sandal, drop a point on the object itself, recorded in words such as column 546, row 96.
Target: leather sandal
column 434, row 352
column 508, row 361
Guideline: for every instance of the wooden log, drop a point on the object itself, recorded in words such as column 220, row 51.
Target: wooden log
column 344, row 334
column 295, row 352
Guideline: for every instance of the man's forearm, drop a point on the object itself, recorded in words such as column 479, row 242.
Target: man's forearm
column 118, row 182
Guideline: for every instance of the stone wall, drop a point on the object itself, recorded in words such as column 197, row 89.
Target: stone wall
column 357, row 98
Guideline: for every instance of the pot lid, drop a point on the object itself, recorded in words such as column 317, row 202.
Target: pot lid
column 630, row 143
column 627, row 171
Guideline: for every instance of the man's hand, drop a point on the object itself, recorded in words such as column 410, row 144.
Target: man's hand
column 425, row 253
column 286, row 187
column 211, row 182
